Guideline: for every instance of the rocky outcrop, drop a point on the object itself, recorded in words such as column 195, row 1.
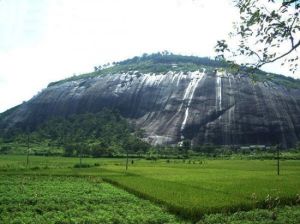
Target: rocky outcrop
column 203, row 106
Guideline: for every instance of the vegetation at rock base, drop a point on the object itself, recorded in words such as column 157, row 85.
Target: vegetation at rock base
column 104, row 133
column 108, row 134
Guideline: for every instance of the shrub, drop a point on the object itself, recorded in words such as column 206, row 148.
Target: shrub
column 82, row 165
column 35, row 168
column 5, row 149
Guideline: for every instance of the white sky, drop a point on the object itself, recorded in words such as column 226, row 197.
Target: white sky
column 47, row 40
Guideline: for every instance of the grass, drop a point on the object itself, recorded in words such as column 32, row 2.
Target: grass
column 40, row 199
column 286, row 214
column 190, row 190
column 215, row 186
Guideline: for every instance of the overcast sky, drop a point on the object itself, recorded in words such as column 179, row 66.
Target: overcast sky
column 47, row 40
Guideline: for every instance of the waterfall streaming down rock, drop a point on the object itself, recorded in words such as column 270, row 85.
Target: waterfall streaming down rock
column 189, row 94
column 192, row 100
column 218, row 91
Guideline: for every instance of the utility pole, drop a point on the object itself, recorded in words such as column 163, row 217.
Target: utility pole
column 126, row 159
column 80, row 156
column 28, row 148
column 278, row 148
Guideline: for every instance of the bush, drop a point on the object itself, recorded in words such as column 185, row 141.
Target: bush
column 5, row 149
column 82, row 165
column 35, row 168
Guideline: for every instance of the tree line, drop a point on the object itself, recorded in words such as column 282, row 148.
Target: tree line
column 105, row 133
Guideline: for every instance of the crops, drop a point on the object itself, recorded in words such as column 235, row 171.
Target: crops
column 191, row 189
column 284, row 215
column 41, row 199
column 215, row 186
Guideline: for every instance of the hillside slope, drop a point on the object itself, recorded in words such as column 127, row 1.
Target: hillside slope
column 174, row 98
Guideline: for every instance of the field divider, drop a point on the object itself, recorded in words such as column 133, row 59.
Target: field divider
column 178, row 211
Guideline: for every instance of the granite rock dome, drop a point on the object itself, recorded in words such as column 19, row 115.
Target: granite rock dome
column 174, row 98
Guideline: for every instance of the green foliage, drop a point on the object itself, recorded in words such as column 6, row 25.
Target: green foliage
column 39, row 199
column 104, row 133
column 5, row 149
column 281, row 80
column 192, row 189
column 267, row 31
column 163, row 63
column 257, row 216
column 189, row 188
column 134, row 144
column 106, row 125
column 153, row 63
column 82, row 165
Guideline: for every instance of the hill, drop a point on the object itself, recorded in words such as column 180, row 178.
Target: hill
column 176, row 98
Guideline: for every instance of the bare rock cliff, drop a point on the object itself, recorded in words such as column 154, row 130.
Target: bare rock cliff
column 205, row 106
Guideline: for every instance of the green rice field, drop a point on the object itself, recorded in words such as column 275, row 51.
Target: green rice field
column 194, row 190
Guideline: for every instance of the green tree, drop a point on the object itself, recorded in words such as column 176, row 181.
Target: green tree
column 267, row 31
column 69, row 150
column 186, row 145
column 100, row 149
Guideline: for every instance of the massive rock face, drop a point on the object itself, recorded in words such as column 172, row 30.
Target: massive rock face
column 203, row 106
